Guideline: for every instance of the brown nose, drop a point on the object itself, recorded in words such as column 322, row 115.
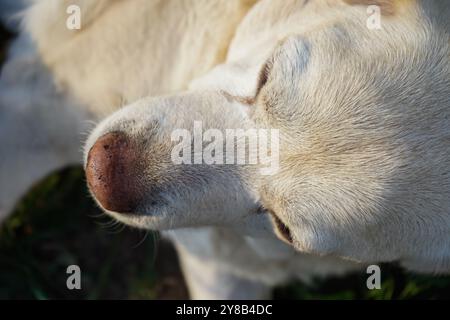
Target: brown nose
column 112, row 172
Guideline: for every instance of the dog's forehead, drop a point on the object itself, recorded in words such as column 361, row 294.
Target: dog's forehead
column 259, row 32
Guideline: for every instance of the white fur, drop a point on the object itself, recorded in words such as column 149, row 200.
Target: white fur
column 40, row 126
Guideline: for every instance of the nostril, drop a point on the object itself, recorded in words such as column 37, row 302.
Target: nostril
column 112, row 172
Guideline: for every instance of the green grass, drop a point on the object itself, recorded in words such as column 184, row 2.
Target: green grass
column 57, row 225
column 396, row 284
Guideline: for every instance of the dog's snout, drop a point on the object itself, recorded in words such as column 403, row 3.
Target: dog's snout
column 112, row 173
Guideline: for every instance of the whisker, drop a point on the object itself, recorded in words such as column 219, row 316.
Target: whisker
column 118, row 228
column 142, row 240
column 156, row 242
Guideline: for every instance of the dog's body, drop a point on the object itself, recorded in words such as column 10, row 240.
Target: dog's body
column 357, row 145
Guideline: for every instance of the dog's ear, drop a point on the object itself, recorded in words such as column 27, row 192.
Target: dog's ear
column 387, row 6
column 283, row 69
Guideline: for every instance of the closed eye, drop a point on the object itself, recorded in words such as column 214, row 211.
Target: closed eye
column 283, row 230
column 263, row 76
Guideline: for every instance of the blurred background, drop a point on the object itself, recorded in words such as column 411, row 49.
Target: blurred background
column 57, row 224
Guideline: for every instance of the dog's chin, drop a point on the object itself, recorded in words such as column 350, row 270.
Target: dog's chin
column 158, row 219
column 155, row 222
column 258, row 226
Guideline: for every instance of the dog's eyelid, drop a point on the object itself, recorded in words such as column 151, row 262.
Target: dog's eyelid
column 263, row 209
column 263, row 76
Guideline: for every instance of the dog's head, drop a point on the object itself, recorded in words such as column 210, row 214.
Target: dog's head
column 362, row 116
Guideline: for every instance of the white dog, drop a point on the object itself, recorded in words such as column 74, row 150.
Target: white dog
column 362, row 114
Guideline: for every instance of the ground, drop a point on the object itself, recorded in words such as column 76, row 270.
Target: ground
column 57, row 225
